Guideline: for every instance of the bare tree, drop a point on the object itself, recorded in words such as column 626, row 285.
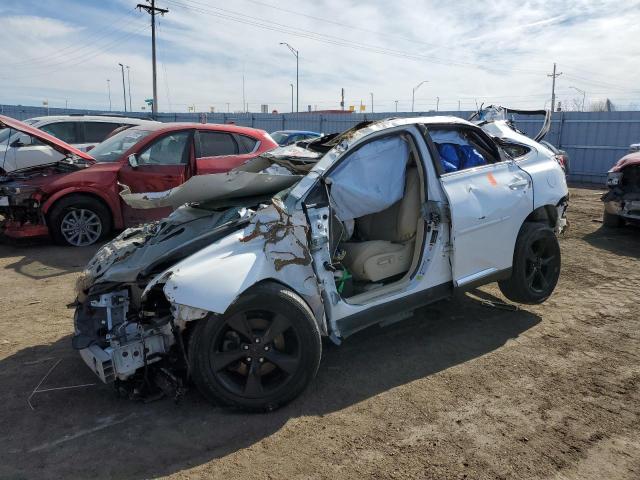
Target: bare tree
column 602, row 106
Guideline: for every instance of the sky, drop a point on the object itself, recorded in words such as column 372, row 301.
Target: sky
column 66, row 52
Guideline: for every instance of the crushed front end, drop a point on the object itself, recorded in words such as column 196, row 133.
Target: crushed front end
column 623, row 181
column 130, row 334
column 22, row 194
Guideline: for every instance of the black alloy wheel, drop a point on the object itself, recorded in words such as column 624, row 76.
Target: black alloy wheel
column 536, row 265
column 261, row 354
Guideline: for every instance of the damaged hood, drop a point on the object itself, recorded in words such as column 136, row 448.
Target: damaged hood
column 138, row 253
column 55, row 143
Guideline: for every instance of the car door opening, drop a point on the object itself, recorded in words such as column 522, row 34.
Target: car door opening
column 377, row 218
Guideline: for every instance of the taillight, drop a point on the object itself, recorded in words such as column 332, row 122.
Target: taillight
column 560, row 160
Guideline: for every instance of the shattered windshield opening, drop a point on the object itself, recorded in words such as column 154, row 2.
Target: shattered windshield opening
column 112, row 148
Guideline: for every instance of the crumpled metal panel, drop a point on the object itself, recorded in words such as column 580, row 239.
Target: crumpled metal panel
column 206, row 188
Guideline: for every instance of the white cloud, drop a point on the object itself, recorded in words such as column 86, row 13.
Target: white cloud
column 497, row 52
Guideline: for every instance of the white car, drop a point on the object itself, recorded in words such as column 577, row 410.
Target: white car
column 236, row 288
column 19, row 150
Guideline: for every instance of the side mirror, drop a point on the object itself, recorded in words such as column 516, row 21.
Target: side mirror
column 23, row 140
column 133, row 161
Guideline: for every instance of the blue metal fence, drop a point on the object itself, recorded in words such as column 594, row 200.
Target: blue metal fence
column 593, row 140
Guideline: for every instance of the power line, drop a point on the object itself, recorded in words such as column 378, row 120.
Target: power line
column 65, row 64
column 346, row 25
column 333, row 40
column 87, row 42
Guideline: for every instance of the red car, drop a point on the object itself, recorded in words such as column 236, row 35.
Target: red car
column 77, row 201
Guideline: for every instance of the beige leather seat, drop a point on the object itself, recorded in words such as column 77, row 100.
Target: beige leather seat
column 389, row 237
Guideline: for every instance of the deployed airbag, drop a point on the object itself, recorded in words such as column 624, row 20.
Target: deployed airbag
column 371, row 179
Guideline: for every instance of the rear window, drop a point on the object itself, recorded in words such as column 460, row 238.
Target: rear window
column 96, row 132
column 515, row 150
column 246, row 144
column 213, row 144
column 65, row 131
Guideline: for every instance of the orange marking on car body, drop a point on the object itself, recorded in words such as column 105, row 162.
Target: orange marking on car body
column 492, row 179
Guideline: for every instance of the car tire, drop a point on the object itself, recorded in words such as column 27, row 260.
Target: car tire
column 91, row 217
column 612, row 220
column 536, row 265
column 260, row 354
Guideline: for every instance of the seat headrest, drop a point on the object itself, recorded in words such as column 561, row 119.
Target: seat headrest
column 397, row 223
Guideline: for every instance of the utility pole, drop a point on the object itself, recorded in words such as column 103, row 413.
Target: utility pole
column 124, row 90
column 129, row 87
column 228, row 107
column 342, row 100
column 437, row 104
column 152, row 10
column 554, row 75
column 297, row 55
column 396, row 106
column 371, row 101
column 458, row 105
column 244, row 104
column 109, row 91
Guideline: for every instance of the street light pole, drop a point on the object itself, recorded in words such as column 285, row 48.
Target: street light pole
column 109, row 90
column 413, row 95
column 291, row 97
column 297, row 55
column 437, row 104
column 124, row 90
column 396, row 106
column 129, row 87
column 371, row 102
column 584, row 94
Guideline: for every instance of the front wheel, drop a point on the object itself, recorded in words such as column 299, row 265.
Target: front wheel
column 79, row 221
column 260, row 354
column 536, row 265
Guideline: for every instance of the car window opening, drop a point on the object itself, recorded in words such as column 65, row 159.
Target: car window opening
column 459, row 150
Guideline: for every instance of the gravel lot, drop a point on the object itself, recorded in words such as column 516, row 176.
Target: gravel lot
column 461, row 390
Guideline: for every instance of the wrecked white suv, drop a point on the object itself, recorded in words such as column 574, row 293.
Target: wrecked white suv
column 236, row 288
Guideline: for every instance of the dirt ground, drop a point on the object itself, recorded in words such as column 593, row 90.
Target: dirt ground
column 461, row 390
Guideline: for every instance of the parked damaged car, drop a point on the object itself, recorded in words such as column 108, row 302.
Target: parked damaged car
column 76, row 199
column 622, row 200
column 235, row 289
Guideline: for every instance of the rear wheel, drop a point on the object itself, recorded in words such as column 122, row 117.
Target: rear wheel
column 79, row 221
column 612, row 220
column 536, row 265
column 261, row 354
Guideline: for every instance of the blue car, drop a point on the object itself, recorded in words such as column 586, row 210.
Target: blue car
column 287, row 137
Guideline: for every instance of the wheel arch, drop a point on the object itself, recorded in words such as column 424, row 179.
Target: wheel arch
column 314, row 306
column 544, row 214
column 51, row 202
